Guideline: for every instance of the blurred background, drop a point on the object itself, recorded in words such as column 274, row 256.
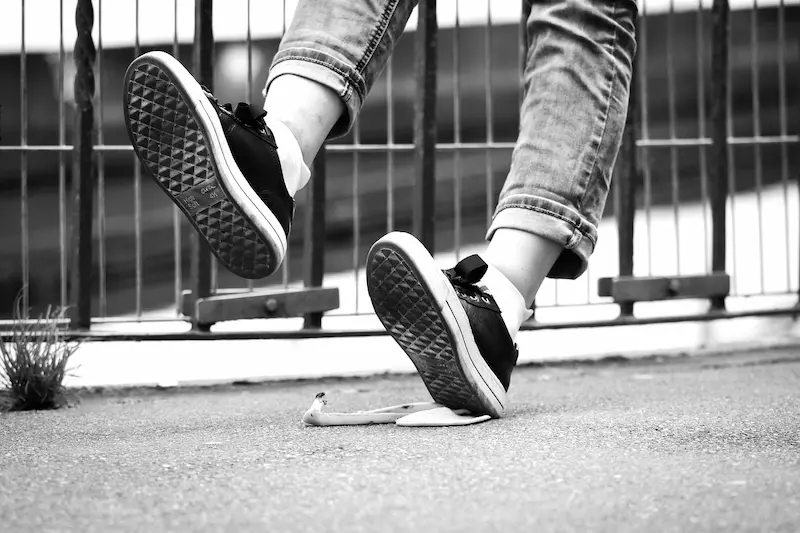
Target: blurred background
column 142, row 246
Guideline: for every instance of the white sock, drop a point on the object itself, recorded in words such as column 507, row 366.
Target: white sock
column 295, row 171
column 509, row 300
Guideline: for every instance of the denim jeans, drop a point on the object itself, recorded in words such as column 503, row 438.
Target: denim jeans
column 577, row 81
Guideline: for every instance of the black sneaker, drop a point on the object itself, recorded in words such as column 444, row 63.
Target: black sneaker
column 450, row 327
column 219, row 165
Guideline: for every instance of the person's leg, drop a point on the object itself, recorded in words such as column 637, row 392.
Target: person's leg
column 325, row 66
column 527, row 267
column 458, row 326
column 234, row 172
column 577, row 80
column 307, row 108
column 327, row 62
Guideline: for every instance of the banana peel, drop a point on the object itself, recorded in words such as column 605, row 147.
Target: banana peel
column 418, row 414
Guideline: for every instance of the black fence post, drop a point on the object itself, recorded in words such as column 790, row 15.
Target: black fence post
column 625, row 181
column 83, row 176
column 203, row 66
column 314, row 234
column 720, row 11
column 425, row 124
column 524, row 46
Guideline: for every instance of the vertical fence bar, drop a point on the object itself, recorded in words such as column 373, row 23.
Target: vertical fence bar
column 524, row 44
column 356, row 211
column 701, row 126
column 643, row 104
column 457, row 136
column 626, row 177
column 487, row 73
column 177, row 216
column 731, row 166
column 783, row 132
column 756, row 93
column 314, row 234
column 390, row 143
column 63, row 268
column 84, row 168
column 203, row 63
column 137, row 200
column 285, row 266
column 101, row 175
column 674, row 179
column 425, row 123
column 719, row 173
column 23, row 193
column 248, row 84
column 213, row 264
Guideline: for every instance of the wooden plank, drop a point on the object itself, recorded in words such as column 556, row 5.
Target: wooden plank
column 264, row 304
column 651, row 289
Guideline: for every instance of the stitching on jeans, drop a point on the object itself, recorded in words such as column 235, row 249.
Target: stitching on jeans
column 538, row 209
column 574, row 240
column 578, row 216
column 316, row 62
column 286, row 56
column 338, row 71
column 611, row 80
column 377, row 34
column 544, row 211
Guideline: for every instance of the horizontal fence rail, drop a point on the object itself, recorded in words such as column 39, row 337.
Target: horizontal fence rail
column 705, row 185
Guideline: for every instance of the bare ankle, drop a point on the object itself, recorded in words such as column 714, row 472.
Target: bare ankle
column 309, row 109
column 524, row 258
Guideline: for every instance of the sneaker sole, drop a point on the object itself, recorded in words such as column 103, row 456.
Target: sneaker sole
column 422, row 312
column 177, row 135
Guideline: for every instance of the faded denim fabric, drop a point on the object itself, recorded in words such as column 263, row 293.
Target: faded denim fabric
column 577, row 80
column 342, row 44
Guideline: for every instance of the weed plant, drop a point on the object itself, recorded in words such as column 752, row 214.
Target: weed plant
column 34, row 358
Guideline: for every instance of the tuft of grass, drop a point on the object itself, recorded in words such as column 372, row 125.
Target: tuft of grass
column 33, row 361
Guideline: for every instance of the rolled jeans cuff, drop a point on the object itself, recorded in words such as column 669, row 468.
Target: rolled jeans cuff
column 323, row 68
column 553, row 221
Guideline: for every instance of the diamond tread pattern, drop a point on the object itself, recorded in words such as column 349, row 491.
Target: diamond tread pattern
column 172, row 146
column 411, row 316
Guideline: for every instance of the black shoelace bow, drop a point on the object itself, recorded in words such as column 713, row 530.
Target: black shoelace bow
column 247, row 114
column 464, row 277
column 467, row 272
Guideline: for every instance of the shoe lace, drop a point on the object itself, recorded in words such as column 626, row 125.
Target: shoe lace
column 247, row 114
column 465, row 276
column 468, row 272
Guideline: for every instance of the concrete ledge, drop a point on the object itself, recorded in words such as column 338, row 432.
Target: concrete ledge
column 192, row 363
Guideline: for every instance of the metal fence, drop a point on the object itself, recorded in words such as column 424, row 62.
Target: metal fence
column 704, row 185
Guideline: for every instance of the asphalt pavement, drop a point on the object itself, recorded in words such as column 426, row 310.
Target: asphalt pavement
column 689, row 444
